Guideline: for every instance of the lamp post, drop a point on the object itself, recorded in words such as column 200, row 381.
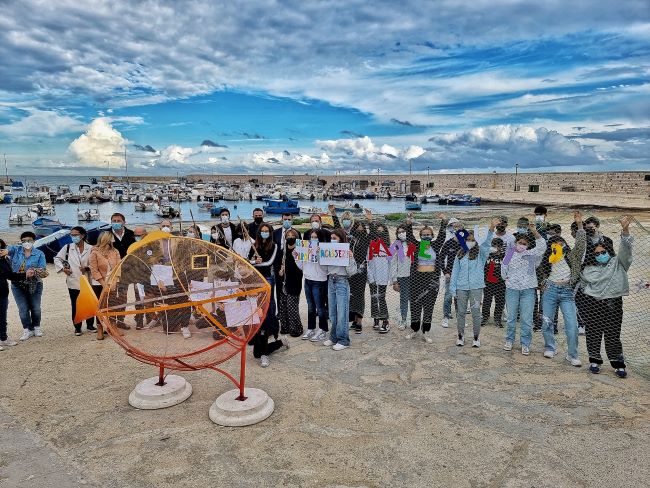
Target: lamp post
column 516, row 173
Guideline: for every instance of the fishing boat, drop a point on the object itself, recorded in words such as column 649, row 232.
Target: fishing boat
column 165, row 211
column 356, row 208
column 413, row 206
column 463, row 200
column 87, row 215
column 145, row 206
column 45, row 227
column 6, row 195
column 20, row 215
column 311, row 210
column 51, row 244
column 44, row 208
column 17, row 185
column 279, row 207
column 205, row 206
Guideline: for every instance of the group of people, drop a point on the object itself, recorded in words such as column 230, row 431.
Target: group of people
column 530, row 273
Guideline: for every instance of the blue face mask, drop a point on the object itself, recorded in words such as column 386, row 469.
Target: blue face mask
column 117, row 225
column 138, row 238
column 346, row 223
column 427, row 238
column 314, row 242
column 522, row 230
column 603, row 258
column 76, row 239
column 286, row 224
column 264, row 235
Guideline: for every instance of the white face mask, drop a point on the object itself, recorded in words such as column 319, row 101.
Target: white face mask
column 215, row 236
column 28, row 245
column 401, row 236
column 335, row 241
column 166, row 229
column 225, row 219
column 493, row 249
column 539, row 218
column 470, row 244
column 315, row 225
column 191, row 234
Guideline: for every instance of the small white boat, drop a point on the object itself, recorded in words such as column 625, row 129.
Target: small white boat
column 21, row 215
column 87, row 215
column 45, row 208
column 145, row 206
column 311, row 210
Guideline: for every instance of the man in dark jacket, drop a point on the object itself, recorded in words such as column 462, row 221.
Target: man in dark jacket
column 445, row 263
column 258, row 218
column 226, row 231
column 122, row 237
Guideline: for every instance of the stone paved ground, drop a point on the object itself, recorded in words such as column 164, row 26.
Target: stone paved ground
column 386, row 412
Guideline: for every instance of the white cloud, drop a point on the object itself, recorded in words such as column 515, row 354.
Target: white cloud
column 364, row 149
column 41, row 123
column 101, row 143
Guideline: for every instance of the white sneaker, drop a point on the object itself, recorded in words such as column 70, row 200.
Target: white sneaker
column 412, row 335
column 581, row 331
column 264, row 361
column 507, row 346
column 550, row 354
column 186, row 332
column 309, row 334
column 318, row 336
column 339, row 347
column 2, row 348
column 525, row 350
column 427, row 338
column 401, row 325
column 445, row 323
column 328, row 343
column 460, row 341
column 476, row 343
column 38, row 332
column 574, row 361
column 151, row 324
column 285, row 342
column 26, row 334
column 8, row 343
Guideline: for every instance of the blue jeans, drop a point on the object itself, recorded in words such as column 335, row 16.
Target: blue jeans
column 315, row 295
column 404, row 294
column 4, row 304
column 29, row 305
column 562, row 296
column 338, row 297
column 446, row 305
column 522, row 303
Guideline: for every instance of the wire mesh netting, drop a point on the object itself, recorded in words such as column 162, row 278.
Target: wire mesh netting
column 403, row 282
column 183, row 303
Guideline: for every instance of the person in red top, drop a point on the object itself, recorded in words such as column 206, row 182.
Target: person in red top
column 495, row 286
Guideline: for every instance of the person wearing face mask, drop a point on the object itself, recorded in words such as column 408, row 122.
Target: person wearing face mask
column 445, row 262
column 225, row 233
column 403, row 254
column 519, row 270
column 379, row 276
column 579, row 295
column 104, row 257
column 289, row 273
column 315, row 290
column 194, row 232
column 357, row 236
column 316, row 223
column 559, row 273
column 425, row 278
column 72, row 260
column 27, row 294
column 541, row 220
column 495, row 286
column 467, row 282
column 338, row 290
column 258, row 218
column 263, row 258
column 500, row 231
column 605, row 283
column 6, row 273
column 165, row 226
column 147, row 289
column 122, row 240
column 279, row 234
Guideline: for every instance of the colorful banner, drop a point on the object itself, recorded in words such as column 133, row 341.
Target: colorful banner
column 334, row 254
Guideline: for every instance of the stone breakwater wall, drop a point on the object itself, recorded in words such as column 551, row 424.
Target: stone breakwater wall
column 629, row 189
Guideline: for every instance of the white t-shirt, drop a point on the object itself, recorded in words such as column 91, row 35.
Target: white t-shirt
column 560, row 272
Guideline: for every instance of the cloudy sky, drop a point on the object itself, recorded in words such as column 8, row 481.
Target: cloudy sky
column 324, row 86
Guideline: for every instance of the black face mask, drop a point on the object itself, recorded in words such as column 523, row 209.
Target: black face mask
column 258, row 220
column 291, row 241
column 501, row 228
column 590, row 232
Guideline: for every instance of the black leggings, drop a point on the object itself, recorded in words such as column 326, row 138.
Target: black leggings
column 424, row 292
column 74, row 294
column 498, row 292
column 378, row 306
column 604, row 319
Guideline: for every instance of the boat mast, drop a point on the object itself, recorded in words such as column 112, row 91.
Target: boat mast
column 6, row 170
column 126, row 163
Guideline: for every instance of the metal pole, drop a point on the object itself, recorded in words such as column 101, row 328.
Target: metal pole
column 516, row 173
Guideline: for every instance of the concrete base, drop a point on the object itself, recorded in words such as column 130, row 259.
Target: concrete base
column 230, row 412
column 149, row 396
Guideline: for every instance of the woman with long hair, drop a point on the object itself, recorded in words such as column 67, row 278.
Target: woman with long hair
column 263, row 258
column 315, row 288
column 102, row 261
column 290, row 286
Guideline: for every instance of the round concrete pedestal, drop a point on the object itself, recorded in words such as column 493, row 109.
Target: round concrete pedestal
column 149, row 396
column 230, row 412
